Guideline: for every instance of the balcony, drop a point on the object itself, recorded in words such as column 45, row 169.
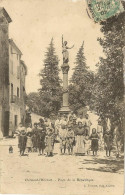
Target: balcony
column 15, row 100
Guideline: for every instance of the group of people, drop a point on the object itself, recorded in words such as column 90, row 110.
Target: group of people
column 73, row 133
column 39, row 138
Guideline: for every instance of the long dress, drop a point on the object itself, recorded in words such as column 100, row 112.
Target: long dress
column 41, row 140
column 94, row 143
column 79, row 139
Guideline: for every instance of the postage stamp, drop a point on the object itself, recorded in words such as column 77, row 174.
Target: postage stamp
column 103, row 9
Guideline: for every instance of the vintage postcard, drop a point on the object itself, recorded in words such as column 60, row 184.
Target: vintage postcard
column 62, row 67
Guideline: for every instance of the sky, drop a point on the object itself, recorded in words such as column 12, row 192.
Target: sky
column 35, row 22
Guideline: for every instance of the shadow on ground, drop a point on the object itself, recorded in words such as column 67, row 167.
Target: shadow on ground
column 106, row 165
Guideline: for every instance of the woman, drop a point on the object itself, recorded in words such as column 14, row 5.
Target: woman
column 65, row 51
column 94, row 141
column 79, row 139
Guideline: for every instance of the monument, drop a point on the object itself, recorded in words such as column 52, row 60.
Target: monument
column 65, row 68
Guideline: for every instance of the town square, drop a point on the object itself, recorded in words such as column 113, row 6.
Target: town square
column 62, row 97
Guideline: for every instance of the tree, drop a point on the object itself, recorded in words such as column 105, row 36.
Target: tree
column 109, row 85
column 50, row 92
column 80, row 89
column 33, row 102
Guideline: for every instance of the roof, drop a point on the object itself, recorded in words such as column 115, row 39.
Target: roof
column 5, row 14
column 24, row 65
column 15, row 46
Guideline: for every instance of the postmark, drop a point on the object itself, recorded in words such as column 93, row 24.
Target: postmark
column 103, row 9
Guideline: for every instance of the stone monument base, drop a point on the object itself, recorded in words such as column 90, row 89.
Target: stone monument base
column 64, row 110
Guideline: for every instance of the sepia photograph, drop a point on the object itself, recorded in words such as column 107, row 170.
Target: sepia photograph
column 62, row 110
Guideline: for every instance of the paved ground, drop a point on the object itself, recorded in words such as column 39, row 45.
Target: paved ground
column 59, row 175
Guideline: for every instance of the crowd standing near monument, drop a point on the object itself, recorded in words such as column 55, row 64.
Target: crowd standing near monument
column 70, row 131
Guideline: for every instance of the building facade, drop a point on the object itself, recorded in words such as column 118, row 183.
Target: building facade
column 12, row 80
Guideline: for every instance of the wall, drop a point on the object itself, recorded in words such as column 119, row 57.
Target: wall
column 22, row 91
column 4, row 74
column 14, row 78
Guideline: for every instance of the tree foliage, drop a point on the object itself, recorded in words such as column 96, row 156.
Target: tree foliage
column 50, row 92
column 33, row 102
column 108, row 90
column 80, row 89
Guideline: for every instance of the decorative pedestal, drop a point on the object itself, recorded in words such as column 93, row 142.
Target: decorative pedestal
column 65, row 108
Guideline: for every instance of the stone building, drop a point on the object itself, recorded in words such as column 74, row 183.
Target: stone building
column 12, row 79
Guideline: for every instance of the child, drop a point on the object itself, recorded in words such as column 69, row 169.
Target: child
column 34, row 141
column 29, row 143
column 70, row 140
column 94, row 141
column 29, row 129
column 87, row 144
column 41, row 141
column 108, row 142
column 22, row 142
column 49, row 142
column 62, row 136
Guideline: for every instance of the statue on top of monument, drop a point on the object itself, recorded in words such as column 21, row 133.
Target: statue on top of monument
column 65, row 51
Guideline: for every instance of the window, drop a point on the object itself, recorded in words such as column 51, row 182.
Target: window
column 17, row 91
column 11, row 92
